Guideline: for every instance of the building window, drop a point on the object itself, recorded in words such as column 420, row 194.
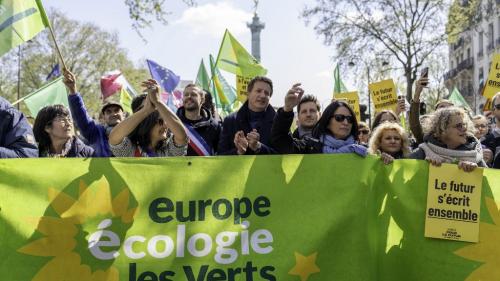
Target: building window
column 481, row 74
column 498, row 32
column 468, row 53
column 491, row 37
column 480, row 44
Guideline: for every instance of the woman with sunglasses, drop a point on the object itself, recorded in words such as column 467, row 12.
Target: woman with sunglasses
column 54, row 132
column 364, row 133
column 153, row 130
column 390, row 141
column 449, row 138
column 335, row 132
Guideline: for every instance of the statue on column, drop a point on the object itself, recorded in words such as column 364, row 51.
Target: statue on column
column 255, row 5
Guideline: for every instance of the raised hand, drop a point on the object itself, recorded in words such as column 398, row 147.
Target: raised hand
column 153, row 90
column 419, row 86
column 293, row 97
column 69, row 81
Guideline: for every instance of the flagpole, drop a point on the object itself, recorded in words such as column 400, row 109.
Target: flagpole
column 19, row 53
column 57, row 47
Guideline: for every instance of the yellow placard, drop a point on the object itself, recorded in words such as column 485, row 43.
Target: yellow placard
column 241, row 87
column 453, row 203
column 492, row 85
column 383, row 95
column 352, row 99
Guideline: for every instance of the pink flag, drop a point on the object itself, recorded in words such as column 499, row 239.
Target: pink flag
column 110, row 85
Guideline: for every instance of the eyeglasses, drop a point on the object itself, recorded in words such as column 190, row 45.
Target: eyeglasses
column 65, row 120
column 342, row 117
column 364, row 132
column 480, row 126
column 460, row 126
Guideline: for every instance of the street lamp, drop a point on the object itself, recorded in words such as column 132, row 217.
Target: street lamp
column 368, row 65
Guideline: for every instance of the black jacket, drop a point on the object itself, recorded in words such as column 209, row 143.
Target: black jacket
column 207, row 127
column 285, row 143
column 240, row 120
column 492, row 142
column 470, row 145
column 496, row 162
column 78, row 150
column 16, row 135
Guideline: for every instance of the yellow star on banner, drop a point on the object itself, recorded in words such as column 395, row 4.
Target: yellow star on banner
column 304, row 266
column 488, row 249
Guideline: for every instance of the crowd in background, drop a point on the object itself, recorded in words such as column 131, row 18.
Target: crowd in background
column 449, row 135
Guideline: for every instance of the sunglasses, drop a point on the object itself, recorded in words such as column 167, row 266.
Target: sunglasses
column 460, row 126
column 364, row 132
column 341, row 117
column 497, row 106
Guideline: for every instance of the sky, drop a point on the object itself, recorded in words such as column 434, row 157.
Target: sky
column 291, row 51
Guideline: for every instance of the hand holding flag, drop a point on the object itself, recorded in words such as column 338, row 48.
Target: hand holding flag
column 69, row 81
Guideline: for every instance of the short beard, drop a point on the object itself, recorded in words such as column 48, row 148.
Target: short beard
column 191, row 109
column 307, row 127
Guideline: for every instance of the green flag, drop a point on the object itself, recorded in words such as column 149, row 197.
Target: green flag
column 52, row 93
column 225, row 92
column 338, row 86
column 276, row 217
column 458, row 100
column 20, row 20
column 235, row 59
column 202, row 79
column 126, row 100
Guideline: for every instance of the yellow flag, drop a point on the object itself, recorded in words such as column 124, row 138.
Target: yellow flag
column 235, row 59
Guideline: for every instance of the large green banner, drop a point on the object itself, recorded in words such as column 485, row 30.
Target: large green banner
column 315, row 217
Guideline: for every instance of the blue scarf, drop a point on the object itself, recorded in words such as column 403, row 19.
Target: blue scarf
column 333, row 145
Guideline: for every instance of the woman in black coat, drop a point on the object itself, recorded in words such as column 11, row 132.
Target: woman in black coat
column 335, row 132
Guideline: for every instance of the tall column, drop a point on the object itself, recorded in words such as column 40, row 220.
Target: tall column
column 256, row 26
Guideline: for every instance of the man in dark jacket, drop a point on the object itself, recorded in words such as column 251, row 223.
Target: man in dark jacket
column 492, row 139
column 205, row 131
column 16, row 135
column 248, row 131
column 308, row 113
column 96, row 134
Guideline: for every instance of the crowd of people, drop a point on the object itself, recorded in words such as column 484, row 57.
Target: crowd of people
column 448, row 135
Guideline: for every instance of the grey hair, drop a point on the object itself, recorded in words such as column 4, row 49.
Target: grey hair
column 441, row 119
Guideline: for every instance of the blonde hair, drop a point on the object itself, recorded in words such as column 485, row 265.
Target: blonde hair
column 479, row 117
column 374, row 144
column 441, row 119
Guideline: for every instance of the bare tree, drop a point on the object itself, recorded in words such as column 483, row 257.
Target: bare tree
column 405, row 32
column 143, row 12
